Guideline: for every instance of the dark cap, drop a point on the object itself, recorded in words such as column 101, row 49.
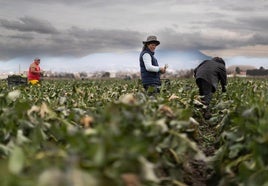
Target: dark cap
column 219, row 60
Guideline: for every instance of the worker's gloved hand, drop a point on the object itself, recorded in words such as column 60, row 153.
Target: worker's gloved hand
column 224, row 89
column 162, row 70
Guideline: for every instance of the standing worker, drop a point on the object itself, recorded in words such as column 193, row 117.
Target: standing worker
column 208, row 74
column 34, row 72
column 149, row 68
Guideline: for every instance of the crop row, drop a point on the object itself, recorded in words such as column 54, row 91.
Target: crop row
column 109, row 132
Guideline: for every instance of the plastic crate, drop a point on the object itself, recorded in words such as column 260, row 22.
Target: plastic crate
column 17, row 80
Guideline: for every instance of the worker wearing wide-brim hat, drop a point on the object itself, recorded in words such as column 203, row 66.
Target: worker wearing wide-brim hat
column 149, row 68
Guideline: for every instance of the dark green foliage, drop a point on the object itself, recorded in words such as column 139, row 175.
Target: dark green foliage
column 44, row 139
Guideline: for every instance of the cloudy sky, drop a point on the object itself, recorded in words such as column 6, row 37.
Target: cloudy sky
column 74, row 29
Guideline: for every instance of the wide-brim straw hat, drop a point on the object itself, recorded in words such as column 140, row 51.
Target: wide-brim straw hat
column 151, row 39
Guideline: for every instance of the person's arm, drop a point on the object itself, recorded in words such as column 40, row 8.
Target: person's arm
column 148, row 63
column 195, row 70
column 223, row 79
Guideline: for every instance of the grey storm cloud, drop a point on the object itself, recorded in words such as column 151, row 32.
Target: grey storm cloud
column 28, row 24
column 261, row 39
column 259, row 23
column 200, row 41
column 242, row 24
column 72, row 42
column 80, row 42
column 83, row 27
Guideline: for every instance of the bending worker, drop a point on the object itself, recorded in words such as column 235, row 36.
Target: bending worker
column 208, row 74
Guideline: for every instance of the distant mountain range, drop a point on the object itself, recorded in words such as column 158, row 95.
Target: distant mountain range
column 181, row 60
column 177, row 60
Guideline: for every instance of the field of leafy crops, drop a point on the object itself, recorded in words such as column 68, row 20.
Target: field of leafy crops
column 110, row 133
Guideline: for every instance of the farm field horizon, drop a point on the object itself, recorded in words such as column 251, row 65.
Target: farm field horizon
column 109, row 132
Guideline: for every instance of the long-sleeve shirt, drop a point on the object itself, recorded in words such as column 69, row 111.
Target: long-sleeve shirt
column 148, row 63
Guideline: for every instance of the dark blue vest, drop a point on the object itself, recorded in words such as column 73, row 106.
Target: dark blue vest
column 149, row 78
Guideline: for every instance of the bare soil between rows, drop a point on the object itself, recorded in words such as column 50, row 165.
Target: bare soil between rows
column 197, row 173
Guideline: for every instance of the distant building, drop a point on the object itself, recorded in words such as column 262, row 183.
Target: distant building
column 238, row 69
column 258, row 72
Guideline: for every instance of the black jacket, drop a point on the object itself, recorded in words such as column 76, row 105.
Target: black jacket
column 213, row 72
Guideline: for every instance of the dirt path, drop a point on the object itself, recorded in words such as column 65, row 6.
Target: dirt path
column 198, row 173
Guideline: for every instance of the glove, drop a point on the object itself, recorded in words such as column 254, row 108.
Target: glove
column 224, row 89
column 162, row 70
